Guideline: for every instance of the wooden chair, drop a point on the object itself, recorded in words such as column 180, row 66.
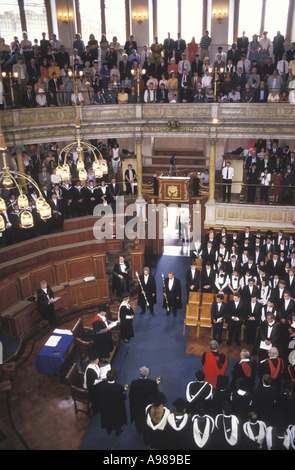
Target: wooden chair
column 75, row 379
column 205, row 318
column 191, row 316
column 207, row 298
column 194, row 298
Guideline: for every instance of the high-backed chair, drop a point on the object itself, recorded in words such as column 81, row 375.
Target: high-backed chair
column 207, row 298
column 204, row 318
column 191, row 315
column 74, row 379
column 83, row 340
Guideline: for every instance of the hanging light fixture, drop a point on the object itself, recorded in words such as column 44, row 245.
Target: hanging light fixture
column 26, row 219
column 2, row 224
column 11, row 179
column 45, row 211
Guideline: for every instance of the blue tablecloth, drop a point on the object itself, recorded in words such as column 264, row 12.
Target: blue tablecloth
column 47, row 362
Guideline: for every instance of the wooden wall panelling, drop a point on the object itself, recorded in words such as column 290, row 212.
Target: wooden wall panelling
column 80, row 267
column 9, row 294
column 62, row 272
column 99, row 266
column 46, row 273
column 26, row 287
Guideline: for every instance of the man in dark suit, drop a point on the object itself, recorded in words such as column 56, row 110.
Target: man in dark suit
column 172, row 294
column 278, row 46
column 244, row 369
column 239, row 80
column 168, row 47
column 197, row 66
column 179, row 47
column 147, row 291
column 275, row 266
column 132, row 98
column 79, row 193
column 121, row 276
column 45, row 303
column 33, row 72
column 149, row 67
column 192, row 279
column 51, row 98
column 252, row 316
column 62, row 57
column 252, row 177
column 161, row 68
column 185, row 94
column 287, row 185
column 290, row 281
column 261, row 93
column 219, row 311
column 130, row 45
column 264, row 400
column 249, row 291
column 207, row 278
column 243, row 44
column 55, row 83
column 114, row 191
column 233, row 264
column 57, row 216
column 208, row 254
column 125, row 67
column 287, row 307
column 29, row 98
column 270, row 334
column 162, row 94
column 233, row 54
column 236, row 317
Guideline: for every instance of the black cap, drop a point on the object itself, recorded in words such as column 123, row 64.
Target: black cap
column 180, row 404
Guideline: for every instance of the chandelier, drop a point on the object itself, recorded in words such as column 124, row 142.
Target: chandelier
column 14, row 179
column 99, row 165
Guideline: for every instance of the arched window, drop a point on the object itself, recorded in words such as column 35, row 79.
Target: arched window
column 167, row 14
column 250, row 17
column 191, row 20
column 10, row 21
column 36, row 19
column 276, row 17
column 90, row 14
column 115, row 20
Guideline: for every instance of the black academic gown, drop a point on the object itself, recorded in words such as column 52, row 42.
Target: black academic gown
column 153, row 434
column 178, row 432
column 140, row 396
column 126, row 323
column 149, row 289
column 102, row 338
column 190, row 281
column 46, row 309
column 173, row 295
column 120, row 285
column 112, row 405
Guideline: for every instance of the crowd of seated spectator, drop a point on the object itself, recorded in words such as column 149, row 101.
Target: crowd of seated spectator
column 67, row 198
column 107, row 72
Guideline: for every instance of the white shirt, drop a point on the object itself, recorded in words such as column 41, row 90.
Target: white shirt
column 206, row 81
column 170, row 283
column 230, row 173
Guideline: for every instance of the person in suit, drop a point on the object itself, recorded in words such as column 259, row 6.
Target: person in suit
column 145, row 53
column 79, row 194
column 121, row 272
column 45, row 301
column 179, row 47
column 245, row 65
column 22, row 74
column 125, row 318
column 149, row 67
column 219, row 310
column 63, row 97
column 185, row 93
column 130, row 179
column 51, row 98
column 91, row 196
column 125, row 67
column 236, row 317
column 161, row 68
column 287, row 185
column 141, row 394
column 290, row 281
column 44, row 178
column 172, row 294
column 207, row 278
column 275, row 83
column 162, row 94
column 252, row 317
column 245, row 369
column 270, row 334
column 68, row 199
column 214, row 363
column 29, row 98
column 130, row 45
column 261, row 93
column 249, row 290
column 233, row 264
column 278, row 46
column 149, row 292
column 57, row 215
column 132, row 96
column 252, row 180
column 197, row 66
column 264, row 399
column 274, row 265
column 227, row 176
column 33, row 70
column 208, row 254
column 168, row 47
column 192, row 279
column 114, row 191
column 286, row 308
column 233, row 54
column 239, row 79
column 243, row 44
column 112, row 404
column 272, row 366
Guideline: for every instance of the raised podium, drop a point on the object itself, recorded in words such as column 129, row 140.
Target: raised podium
column 176, row 189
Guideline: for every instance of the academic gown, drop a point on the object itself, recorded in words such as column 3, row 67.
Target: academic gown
column 190, row 281
column 149, row 289
column 140, row 395
column 112, row 406
column 46, row 309
column 178, row 432
column 103, row 343
column 172, row 295
column 203, row 427
column 120, row 285
column 92, row 382
column 126, row 323
column 153, row 434
column 227, row 433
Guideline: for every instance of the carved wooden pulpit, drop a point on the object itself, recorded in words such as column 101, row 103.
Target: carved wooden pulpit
column 174, row 189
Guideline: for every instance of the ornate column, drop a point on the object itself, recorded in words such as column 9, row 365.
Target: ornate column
column 20, row 165
column 138, row 142
column 212, row 142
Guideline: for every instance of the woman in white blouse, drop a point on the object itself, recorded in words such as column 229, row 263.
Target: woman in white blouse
column 115, row 158
column 265, row 180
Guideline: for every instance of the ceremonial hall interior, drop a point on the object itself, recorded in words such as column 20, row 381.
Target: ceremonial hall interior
column 179, row 150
